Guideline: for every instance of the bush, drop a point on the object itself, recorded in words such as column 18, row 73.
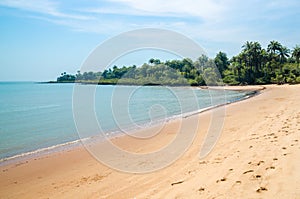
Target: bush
column 230, row 79
column 290, row 80
column 279, row 79
column 261, row 80
column 193, row 82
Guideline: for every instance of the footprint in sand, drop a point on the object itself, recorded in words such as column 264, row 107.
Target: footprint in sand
column 258, row 176
column 201, row 189
column 94, row 178
column 221, row 180
column 260, row 162
column 271, row 167
column 203, row 162
column 249, row 171
column 260, row 189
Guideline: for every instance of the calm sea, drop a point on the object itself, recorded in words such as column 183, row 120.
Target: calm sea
column 35, row 117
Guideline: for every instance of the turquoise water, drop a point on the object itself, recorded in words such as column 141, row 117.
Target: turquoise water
column 35, row 116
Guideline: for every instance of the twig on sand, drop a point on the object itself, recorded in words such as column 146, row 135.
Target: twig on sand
column 179, row 182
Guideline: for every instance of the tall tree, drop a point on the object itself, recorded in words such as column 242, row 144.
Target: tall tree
column 151, row 61
column 273, row 47
column 283, row 53
column 236, row 63
column 247, row 46
column 255, row 53
column 246, row 53
column 263, row 61
column 156, row 61
column 203, row 59
column 221, row 61
column 296, row 54
column 251, row 54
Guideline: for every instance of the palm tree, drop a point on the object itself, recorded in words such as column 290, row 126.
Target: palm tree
column 236, row 63
column 273, row 47
column 264, row 60
column 256, row 54
column 246, row 53
column 283, row 53
column 253, row 51
column 274, row 51
column 151, row 61
column 247, row 45
column 296, row 54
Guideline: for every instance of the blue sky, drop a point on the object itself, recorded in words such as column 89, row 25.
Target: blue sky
column 41, row 38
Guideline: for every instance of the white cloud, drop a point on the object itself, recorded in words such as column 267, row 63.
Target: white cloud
column 172, row 8
column 231, row 21
column 42, row 7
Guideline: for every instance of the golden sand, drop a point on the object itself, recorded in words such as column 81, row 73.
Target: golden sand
column 257, row 156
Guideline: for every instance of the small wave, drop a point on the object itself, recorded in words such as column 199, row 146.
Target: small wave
column 182, row 115
column 46, row 150
column 24, row 109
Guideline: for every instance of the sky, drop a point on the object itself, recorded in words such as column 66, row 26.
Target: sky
column 39, row 39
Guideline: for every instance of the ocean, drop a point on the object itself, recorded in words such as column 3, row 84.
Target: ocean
column 38, row 117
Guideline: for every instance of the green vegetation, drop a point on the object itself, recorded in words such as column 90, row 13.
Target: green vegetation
column 66, row 78
column 253, row 65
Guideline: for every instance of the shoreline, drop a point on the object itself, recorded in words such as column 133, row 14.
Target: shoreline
column 255, row 156
column 71, row 145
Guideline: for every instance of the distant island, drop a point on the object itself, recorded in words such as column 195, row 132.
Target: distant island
column 253, row 65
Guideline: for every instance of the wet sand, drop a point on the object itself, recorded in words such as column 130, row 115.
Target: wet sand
column 256, row 156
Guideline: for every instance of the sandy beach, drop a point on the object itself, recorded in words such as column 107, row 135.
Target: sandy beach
column 257, row 156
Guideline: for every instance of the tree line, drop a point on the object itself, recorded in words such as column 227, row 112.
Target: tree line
column 253, row 65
